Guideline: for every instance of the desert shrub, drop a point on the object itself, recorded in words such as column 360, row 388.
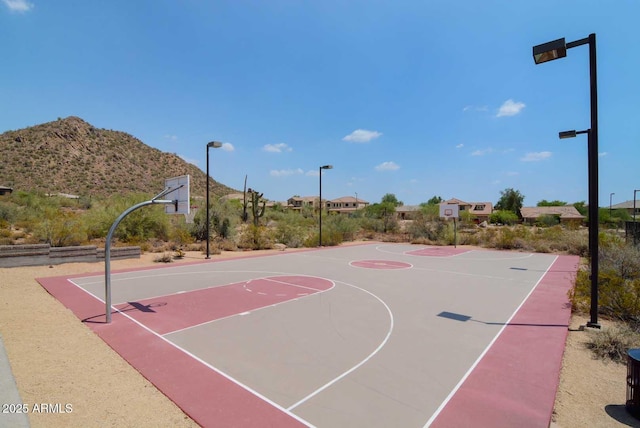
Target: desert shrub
column 329, row 238
column 8, row 214
column 548, row 220
column 60, row 228
column 254, row 237
column 291, row 235
column 424, row 227
column 343, row 227
column 503, row 217
column 613, row 343
column 618, row 282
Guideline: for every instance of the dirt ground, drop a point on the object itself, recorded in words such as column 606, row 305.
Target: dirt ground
column 57, row 359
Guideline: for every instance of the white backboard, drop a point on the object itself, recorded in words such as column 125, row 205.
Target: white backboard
column 182, row 193
column 449, row 211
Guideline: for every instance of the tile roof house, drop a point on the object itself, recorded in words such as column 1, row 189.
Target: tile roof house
column 480, row 211
column 628, row 205
column 345, row 205
column 296, row 203
column 566, row 213
column 407, row 212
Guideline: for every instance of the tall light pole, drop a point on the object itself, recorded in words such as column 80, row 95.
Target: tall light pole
column 558, row 49
column 320, row 203
column 634, row 217
column 215, row 145
column 610, row 202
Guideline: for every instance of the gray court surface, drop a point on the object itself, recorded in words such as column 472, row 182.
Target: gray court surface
column 381, row 348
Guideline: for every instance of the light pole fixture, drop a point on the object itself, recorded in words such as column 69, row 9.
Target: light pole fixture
column 320, row 203
column 215, row 145
column 549, row 52
column 610, row 202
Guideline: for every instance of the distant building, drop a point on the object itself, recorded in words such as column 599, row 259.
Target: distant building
column 5, row 190
column 407, row 212
column 480, row 211
column 345, row 205
column 628, row 206
column 566, row 214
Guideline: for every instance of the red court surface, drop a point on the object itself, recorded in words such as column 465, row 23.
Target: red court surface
column 509, row 377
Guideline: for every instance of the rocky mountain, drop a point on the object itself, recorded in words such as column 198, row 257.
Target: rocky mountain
column 72, row 156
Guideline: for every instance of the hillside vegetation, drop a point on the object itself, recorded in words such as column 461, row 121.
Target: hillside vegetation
column 72, row 156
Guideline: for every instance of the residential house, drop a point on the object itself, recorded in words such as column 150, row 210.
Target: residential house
column 407, row 212
column 480, row 211
column 566, row 213
column 345, row 205
column 5, row 190
column 297, row 203
column 629, row 206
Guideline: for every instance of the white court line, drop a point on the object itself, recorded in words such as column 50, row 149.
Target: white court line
column 203, row 288
column 352, row 369
column 254, row 310
column 296, row 285
column 526, row 256
column 195, row 357
column 473, row 366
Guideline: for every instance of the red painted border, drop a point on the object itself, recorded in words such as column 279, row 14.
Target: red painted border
column 207, row 396
column 515, row 383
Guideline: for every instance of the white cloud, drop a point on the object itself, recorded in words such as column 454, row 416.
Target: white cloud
column 285, row 172
column 510, row 108
column 459, row 146
column 535, row 156
column 362, row 136
column 18, row 5
column 512, row 173
column 482, row 152
column 277, row 148
column 387, row 166
column 312, row 173
column 227, row 147
column 171, row 137
column 602, row 154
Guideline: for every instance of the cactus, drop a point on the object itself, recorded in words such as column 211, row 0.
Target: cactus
column 245, row 216
column 256, row 210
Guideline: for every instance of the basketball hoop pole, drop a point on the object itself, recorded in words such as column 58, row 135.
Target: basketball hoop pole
column 107, row 245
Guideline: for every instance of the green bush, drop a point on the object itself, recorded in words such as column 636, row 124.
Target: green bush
column 618, row 282
column 255, row 237
column 503, row 217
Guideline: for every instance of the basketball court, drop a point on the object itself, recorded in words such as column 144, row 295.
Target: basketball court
column 366, row 335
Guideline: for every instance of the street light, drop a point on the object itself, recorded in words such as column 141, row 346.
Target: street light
column 215, row 145
column 320, row 203
column 558, row 49
column 634, row 216
column 610, row 201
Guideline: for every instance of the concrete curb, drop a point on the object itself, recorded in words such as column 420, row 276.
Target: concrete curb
column 9, row 396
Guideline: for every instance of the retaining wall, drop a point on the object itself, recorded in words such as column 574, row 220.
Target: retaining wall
column 44, row 254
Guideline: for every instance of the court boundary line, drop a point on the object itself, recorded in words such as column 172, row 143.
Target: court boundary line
column 361, row 363
column 189, row 273
column 196, row 358
column 486, row 350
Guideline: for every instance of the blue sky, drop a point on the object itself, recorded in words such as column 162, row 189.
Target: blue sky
column 415, row 98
